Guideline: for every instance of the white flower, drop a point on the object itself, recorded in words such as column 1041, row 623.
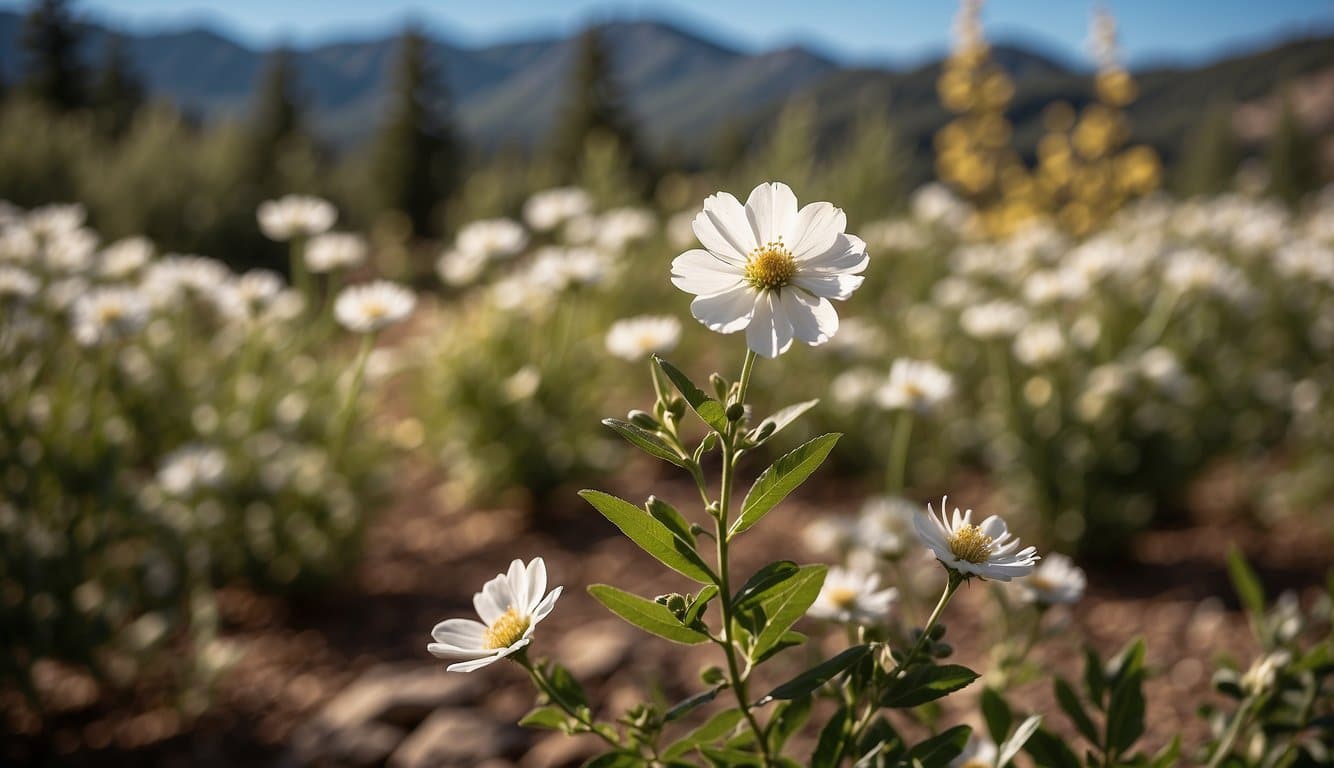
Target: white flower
column 259, row 287
column 166, row 281
column 854, row 386
column 986, row 550
column 125, row 257
column 510, row 605
column 770, row 268
column 491, row 239
column 107, row 314
column 993, row 320
column 333, row 251
column 295, row 216
column 638, row 337
column 70, row 252
column 55, row 219
column 459, row 268
column 17, row 282
column 1263, row 672
column 619, row 227
column 556, row 268
column 916, row 385
column 190, row 468
column 1039, row 344
column 980, row 753
column 1054, row 285
column 849, row 597
column 1196, row 270
column 373, row 306
column 548, row 209
column 1057, row 581
column 934, row 203
column 829, row 535
column 885, row 525
column 17, row 244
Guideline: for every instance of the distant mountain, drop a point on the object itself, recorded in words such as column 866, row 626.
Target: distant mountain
column 683, row 88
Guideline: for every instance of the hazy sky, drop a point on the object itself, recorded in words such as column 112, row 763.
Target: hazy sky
column 848, row 29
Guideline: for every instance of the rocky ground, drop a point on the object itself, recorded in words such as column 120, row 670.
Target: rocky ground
column 344, row 678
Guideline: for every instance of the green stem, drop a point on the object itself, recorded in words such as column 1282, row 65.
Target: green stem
column 300, row 277
column 1230, row 737
column 898, row 456
column 546, row 687
column 359, row 374
column 1155, row 324
column 951, row 586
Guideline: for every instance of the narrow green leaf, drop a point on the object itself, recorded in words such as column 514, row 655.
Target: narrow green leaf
column 1050, row 751
column 807, row 682
column 1011, row 746
column 997, row 714
column 787, row 720
column 667, row 515
column 684, row 707
column 1168, row 755
column 785, row 605
column 712, row 730
column 940, row 749
column 762, row 581
column 710, row 411
column 1130, row 661
column 1247, row 584
column 647, row 442
column 730, row 758
column 1069, row 701
column 789, row 639
column 1125, row 713
column 698, row 604
column 829, row 748
column 780, row 479
column 781, row 420
column 564, row 684
column 645, row 614
column 926, row 683
column 651, row 535
column 1095, row 677
column 616, row 759
column 549, row 718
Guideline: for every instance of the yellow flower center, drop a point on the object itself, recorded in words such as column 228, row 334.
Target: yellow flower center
column 374, row 310
column 843, row 597
column 1041, row 583
column 506, row 630
column 770, row 266
column 110, row 314
column 970, row 544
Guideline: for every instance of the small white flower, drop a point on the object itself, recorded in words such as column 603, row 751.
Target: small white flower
column 849, row 597
column 550, row 208
column 884, row 526
column 190, row 468
column 993, row 320
column 55, row 219
column 459, row 268
column 107, row 314
column 619, row 227
column 295, row 216
column 259, row 287
column 373, row 306
column 916, row 385
column 70, row 252
column 1196, row 270
column 987, row 550
column 980, row 753
column 854, row 387
column 638, row 337
column 18, row 245
column 333, row 251
column 556, row 268
column 934, row 203
column 1263, row 673
column 17, row 283
column 1057, row 581
column 491, row 239
column 829, row 535
column 510, row 606
column 124, row 258
column 770, row 268
column 1039, row 344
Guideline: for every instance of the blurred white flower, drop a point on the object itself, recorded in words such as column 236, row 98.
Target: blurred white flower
column 979, row 753
column 849, row 597
column 523, row 384
column 635, row 338
column 192, row 468
column 681, row 230
column 258, row 287
column 1055, row 285
column 619, row 227
column 557, row 268
column 332, row 251
column 1056, row 581
column 17, row 283
column 108, row 314
column 17, row 244
column 550, row 208
column 829, row 535
column 987, row 550
column 855, row 386
column 124, row 258
column 293, row 216
column 993, row 320
column 1039, row 344
column 491, row 239
column 915, row 385
column 770, row 268
column 1263, row 673
column 459, row 268
column 56, row 219
column 1196, row 270
column 935, row 204
column 371, row 307
column 70, row 252
column 511, row 605
column 884, row 526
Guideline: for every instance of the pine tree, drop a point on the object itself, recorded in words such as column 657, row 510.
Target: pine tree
column 52, row 72
column 595, row 109
column 117, row 94
column 1293, row 170
column 275, row 124
column 416, row 155
column 1210, row 155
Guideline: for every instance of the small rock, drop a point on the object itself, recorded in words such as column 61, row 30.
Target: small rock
column 456, row 737
column 596, row 650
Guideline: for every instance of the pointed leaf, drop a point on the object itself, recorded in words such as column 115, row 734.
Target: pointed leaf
column 1069, row 701
column 782, row 419
column 652, row 536
column 715, row 728
column 785, row 605
column 926, row 683
column 1011, row 746
column 698, row 604
column 549, row 718
column 787, row 720
column 762, row 581
column 667, row 515
column 1125, row 713
column 997, row 714
column 807, row 682
column 783, row 477
column 1050, row 751
column 1247, row 584
column 940, row 749
column 683, row 708
column 788, row 640
column 646, row 614
column 647, row 442
column 710, row 411
column 829, row 748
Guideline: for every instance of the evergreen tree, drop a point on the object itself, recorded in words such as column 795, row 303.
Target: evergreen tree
column 1293, row 157
column 416, row 155
column 117, row 94
column 596, row 110
column 275, row 123
column 1210, row 155
column 52, row 73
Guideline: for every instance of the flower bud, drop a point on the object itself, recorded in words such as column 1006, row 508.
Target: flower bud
column 941, row 650
column 735, row 411
column 712, row 676
column 677, row 407
column 720, row 386
column 709, row 442
column 642, row 419
column 764, row 432
column 938, row 631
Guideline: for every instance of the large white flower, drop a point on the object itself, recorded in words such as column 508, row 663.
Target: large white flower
column 987, row 550
column 849, row 597
column 373, row 306
column 1058, row 581
column 635, row 338
column 770, row 268
column 510, row 606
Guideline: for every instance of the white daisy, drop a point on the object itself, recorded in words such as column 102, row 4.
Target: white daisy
column 986, row 550
column 510, row 605
column 295, row 216
column 1039, row 344
column 333, row 251
column 107, row 314
column 770, row 268
column 916, row 385
column 638, row 337
column 17, row 282
column 885, row 525
column 459, row 268
column 373, row 306
column 993, row 320
column 190, row 468
column 491, row 238
column 550, row 208
column 55, row 219
column 558, row 268
column 619, row 227
column 124, row 258
column 850, row 597
column 1057, row 581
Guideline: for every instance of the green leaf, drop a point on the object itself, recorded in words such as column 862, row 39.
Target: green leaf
column 788, row 603
column 753, row 591
column 684, row 707
column 1125, row 712
column 1069, row 701
column 807, row 682
column 1130, row 661
column 698, row 604
column 549, row 718
column 780, row 479
column 940, row 749
column 616, row 759
column 782, row 419
column 710, row 411
column 564, row 684
column 880, row 735
column 997, row 714
column 713, row 729
column 647, row 442
column 730, row 758
column 1049, row 751
column 647, row 615
column 1168, row 755
column 829, row 748
column 787, row 720
column 1247, row 584
column 652, row 536
column 1095, row 678
column 926, row 683
column 788, row 640
column 1011, row 746
column 667, row 515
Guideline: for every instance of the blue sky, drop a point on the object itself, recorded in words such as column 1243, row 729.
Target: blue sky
column 1152, row 30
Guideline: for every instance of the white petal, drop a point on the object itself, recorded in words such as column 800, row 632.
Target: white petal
column 723, row 228
column 702, row 273
column 770, row 331
column 829, row 285
column 813, row 319
column 498, row 589
column 725, row 312
column 463, row 633
column 814, row 230
column 537, row 583
column 771, row 209
column 543, row 608
column 847, row 254
column 475, row 664
column 487, row 607
column 447, row 651
column 518, row 580
column 994, row 527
